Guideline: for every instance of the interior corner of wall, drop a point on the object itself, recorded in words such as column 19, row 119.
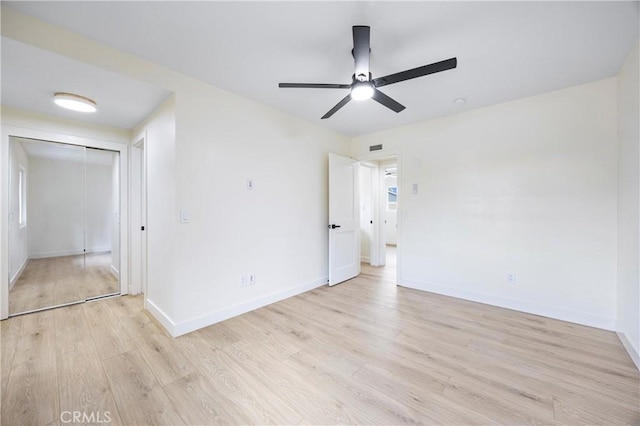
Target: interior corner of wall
column 634, row 354
column 160, row 316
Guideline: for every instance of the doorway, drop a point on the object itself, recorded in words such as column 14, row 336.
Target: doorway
column 64, row 224
column 379, row 207
column 389, row 179
column 138, row 211
column 361, row 200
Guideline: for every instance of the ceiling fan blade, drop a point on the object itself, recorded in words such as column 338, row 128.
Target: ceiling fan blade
column 385, row 100
column 416, row 72
column 314, row 86
column 361, row 50
column 340, row 104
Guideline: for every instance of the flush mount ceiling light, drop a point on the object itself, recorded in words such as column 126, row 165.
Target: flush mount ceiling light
column 74, row 102
column 459, row 101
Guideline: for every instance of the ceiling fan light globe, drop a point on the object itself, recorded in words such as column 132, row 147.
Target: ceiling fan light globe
column 361, row 91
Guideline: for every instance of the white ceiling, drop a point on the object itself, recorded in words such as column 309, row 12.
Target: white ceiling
column 505, row 50
column 30, row 77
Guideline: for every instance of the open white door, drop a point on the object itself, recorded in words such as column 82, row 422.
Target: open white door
column 344, row 219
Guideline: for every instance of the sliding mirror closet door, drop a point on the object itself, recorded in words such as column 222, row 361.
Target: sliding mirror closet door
column 102, row 248
column 46, row 242
column 64, row 205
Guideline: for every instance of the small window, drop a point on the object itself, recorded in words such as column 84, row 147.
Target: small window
column 22, row 197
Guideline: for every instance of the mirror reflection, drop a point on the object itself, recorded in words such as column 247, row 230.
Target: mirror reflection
column 64, row 215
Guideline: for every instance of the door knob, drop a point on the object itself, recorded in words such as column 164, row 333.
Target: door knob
column 334, row 226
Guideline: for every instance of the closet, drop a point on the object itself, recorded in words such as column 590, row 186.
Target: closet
column 64, row 224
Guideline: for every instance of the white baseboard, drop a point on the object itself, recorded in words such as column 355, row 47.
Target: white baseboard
column 162, row 318
column 115, row 272
column 635, row 356
column 562, row 314
column 93, row 250
column 365, row 259
column 45, row 254
column 13, row 280
column 184, row 327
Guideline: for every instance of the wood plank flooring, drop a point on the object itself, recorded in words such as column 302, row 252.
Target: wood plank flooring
column 58, row 280
column 363, row 352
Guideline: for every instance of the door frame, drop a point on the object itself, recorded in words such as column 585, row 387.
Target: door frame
column 138, row 214
column 375, row 258
column 28, row 133
column 381, row 157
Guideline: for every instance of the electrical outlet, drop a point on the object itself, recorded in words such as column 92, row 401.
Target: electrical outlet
column 243, row 281
column 511, row 278
column 252, row 279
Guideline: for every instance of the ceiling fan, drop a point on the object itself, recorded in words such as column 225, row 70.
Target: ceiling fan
column 362, row 86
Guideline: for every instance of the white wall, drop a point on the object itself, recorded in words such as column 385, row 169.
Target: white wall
column 18, row 240
column 277, row 231
column 56, row 213
column 74, row 131
column 628, row 299
column 526, row 187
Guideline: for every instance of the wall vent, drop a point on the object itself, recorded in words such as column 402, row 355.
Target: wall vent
column 375, row 147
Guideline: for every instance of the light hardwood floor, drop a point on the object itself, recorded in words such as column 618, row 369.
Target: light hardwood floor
column 363, row 352
column 58, row 280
